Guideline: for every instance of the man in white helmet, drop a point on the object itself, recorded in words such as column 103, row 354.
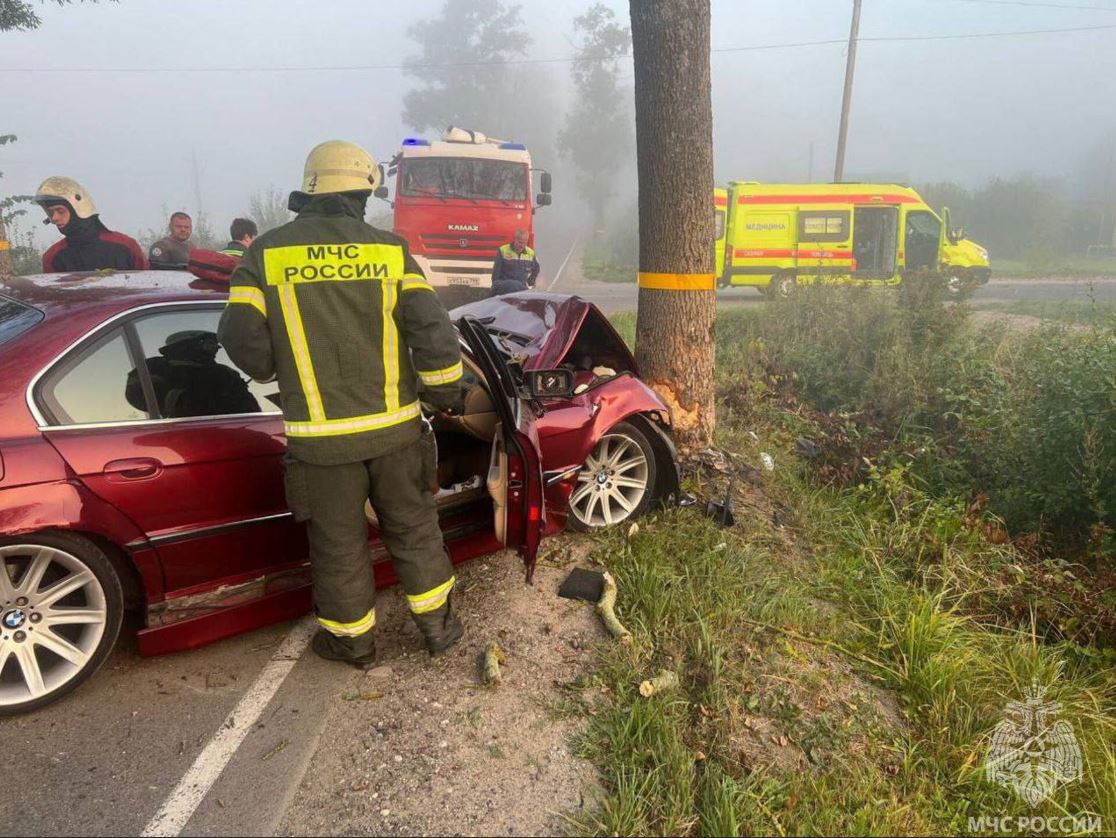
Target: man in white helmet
column 87, row 244
column 340, row 313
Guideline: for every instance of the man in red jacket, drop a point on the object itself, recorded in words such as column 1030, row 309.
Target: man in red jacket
column 88, row 245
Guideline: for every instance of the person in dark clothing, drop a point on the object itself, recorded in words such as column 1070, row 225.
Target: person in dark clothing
column 515, row 268
column 87, row 244
column 242, row 233
column 188, row 381
column 173, row 250
column 341, row 315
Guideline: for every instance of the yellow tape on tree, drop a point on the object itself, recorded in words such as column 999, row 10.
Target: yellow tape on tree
column 4, row 245
column 676, row 282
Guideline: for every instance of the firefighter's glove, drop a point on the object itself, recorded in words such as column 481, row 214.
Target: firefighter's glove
column 448, row 399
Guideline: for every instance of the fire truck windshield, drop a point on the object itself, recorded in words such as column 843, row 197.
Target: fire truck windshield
column 471, row 178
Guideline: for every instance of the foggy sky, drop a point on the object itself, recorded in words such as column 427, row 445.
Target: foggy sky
column 963, row 110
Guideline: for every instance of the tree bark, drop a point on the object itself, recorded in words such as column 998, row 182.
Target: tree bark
column 674, row 148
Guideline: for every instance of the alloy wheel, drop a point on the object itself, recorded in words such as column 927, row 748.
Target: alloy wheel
column 613, row 483
column 53, row 615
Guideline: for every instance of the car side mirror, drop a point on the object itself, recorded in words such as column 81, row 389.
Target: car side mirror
column 550, row 384
column 544, row 200
column 381, row 192
column 545, row 183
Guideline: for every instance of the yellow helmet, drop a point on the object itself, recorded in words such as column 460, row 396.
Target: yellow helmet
column 338, row 166
column 56, row 190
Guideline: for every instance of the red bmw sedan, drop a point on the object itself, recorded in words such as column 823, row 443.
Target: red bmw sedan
column 139, row 469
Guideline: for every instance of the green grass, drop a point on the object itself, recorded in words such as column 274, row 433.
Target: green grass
column 608, row 259
column 848, row 691
column 841, row 676
column 1071, row 267
column 1073, row 312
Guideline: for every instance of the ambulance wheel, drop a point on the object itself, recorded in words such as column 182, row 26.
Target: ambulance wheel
column 958, row 285
column 782, row 286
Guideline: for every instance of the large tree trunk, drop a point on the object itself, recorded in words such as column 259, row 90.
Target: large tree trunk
column 674, row 144
column 6, row 266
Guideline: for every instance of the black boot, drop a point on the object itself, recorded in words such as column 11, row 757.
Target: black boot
column 441, row 628
column 343, row 649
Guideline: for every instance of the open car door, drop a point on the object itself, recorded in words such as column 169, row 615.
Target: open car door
column 515, row 478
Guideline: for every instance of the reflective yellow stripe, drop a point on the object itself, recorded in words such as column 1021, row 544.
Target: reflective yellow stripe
column 676, row 282
column 354, row 424
column 249, row 296
column 353, row 629
column 391, row 346
column 433, row 599
column 416, row 282
column 446, row 376
column 332, row 263
column 301, row 351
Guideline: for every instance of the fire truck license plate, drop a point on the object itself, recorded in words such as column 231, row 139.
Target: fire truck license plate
column 462, row 280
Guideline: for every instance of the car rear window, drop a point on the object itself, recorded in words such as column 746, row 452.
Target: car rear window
column 16, row 318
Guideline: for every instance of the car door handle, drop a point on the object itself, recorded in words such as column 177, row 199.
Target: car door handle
column 133, row 468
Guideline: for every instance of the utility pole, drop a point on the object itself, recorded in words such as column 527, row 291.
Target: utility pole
column 850, row 67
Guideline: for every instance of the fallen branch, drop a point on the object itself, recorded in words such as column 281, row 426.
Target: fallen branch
column 607, row 609
column 493, row 657
column 665, row 680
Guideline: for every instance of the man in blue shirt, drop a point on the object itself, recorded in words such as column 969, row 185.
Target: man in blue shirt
column 515, row 268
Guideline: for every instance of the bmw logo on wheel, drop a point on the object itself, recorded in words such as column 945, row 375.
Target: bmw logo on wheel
column 14, row 618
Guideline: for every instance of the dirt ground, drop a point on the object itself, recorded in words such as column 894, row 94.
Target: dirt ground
column 421, row 747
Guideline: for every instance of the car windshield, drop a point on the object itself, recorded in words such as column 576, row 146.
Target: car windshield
column 472, row 178
column 16, row 318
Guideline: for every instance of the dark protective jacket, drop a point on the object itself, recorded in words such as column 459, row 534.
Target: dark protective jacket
column 89, row 246
column 234, row 249
column 514, row 271
column 170, row 251
column 341, row 313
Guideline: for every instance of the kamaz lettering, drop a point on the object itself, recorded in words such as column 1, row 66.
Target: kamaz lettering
column 464, row 228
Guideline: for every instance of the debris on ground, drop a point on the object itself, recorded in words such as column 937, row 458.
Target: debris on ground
column 665, row 680
column 493, row 657
column 606, row 607
column 583, row 584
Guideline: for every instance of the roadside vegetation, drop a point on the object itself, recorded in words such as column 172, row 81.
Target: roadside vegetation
column 934, row 537
column 612, row 254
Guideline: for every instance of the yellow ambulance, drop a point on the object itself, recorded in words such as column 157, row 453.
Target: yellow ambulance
column 776, row 236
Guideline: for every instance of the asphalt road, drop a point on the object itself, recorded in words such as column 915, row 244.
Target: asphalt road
column 194, row 743
column 614, row 297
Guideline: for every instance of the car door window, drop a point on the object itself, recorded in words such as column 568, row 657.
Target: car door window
column 99, row 384
column 191, row 375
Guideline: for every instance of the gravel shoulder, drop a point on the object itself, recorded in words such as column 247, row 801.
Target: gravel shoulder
column 421, row 747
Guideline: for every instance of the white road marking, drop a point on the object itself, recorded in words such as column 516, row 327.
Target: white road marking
column 562, row 267
column 178, row 808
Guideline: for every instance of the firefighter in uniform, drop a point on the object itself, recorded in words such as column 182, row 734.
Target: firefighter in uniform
column 342, row 315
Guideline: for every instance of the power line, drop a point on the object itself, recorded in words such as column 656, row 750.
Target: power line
column 1073, row 7
column 567, row 60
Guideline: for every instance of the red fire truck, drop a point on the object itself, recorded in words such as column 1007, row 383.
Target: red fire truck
column 457, row 200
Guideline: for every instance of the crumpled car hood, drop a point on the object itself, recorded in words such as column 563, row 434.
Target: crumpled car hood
column 551, row 326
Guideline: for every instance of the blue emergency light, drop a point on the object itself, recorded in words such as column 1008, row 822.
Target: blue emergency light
column 415, row 141
column 513, row 146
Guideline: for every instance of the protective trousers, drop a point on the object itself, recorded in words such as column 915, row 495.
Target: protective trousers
column 331, row 501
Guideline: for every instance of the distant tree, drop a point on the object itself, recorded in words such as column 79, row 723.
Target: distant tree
column 19, row 16
column 598, row 134
column 268, row 208
column 474, row 36
column 9, row 210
